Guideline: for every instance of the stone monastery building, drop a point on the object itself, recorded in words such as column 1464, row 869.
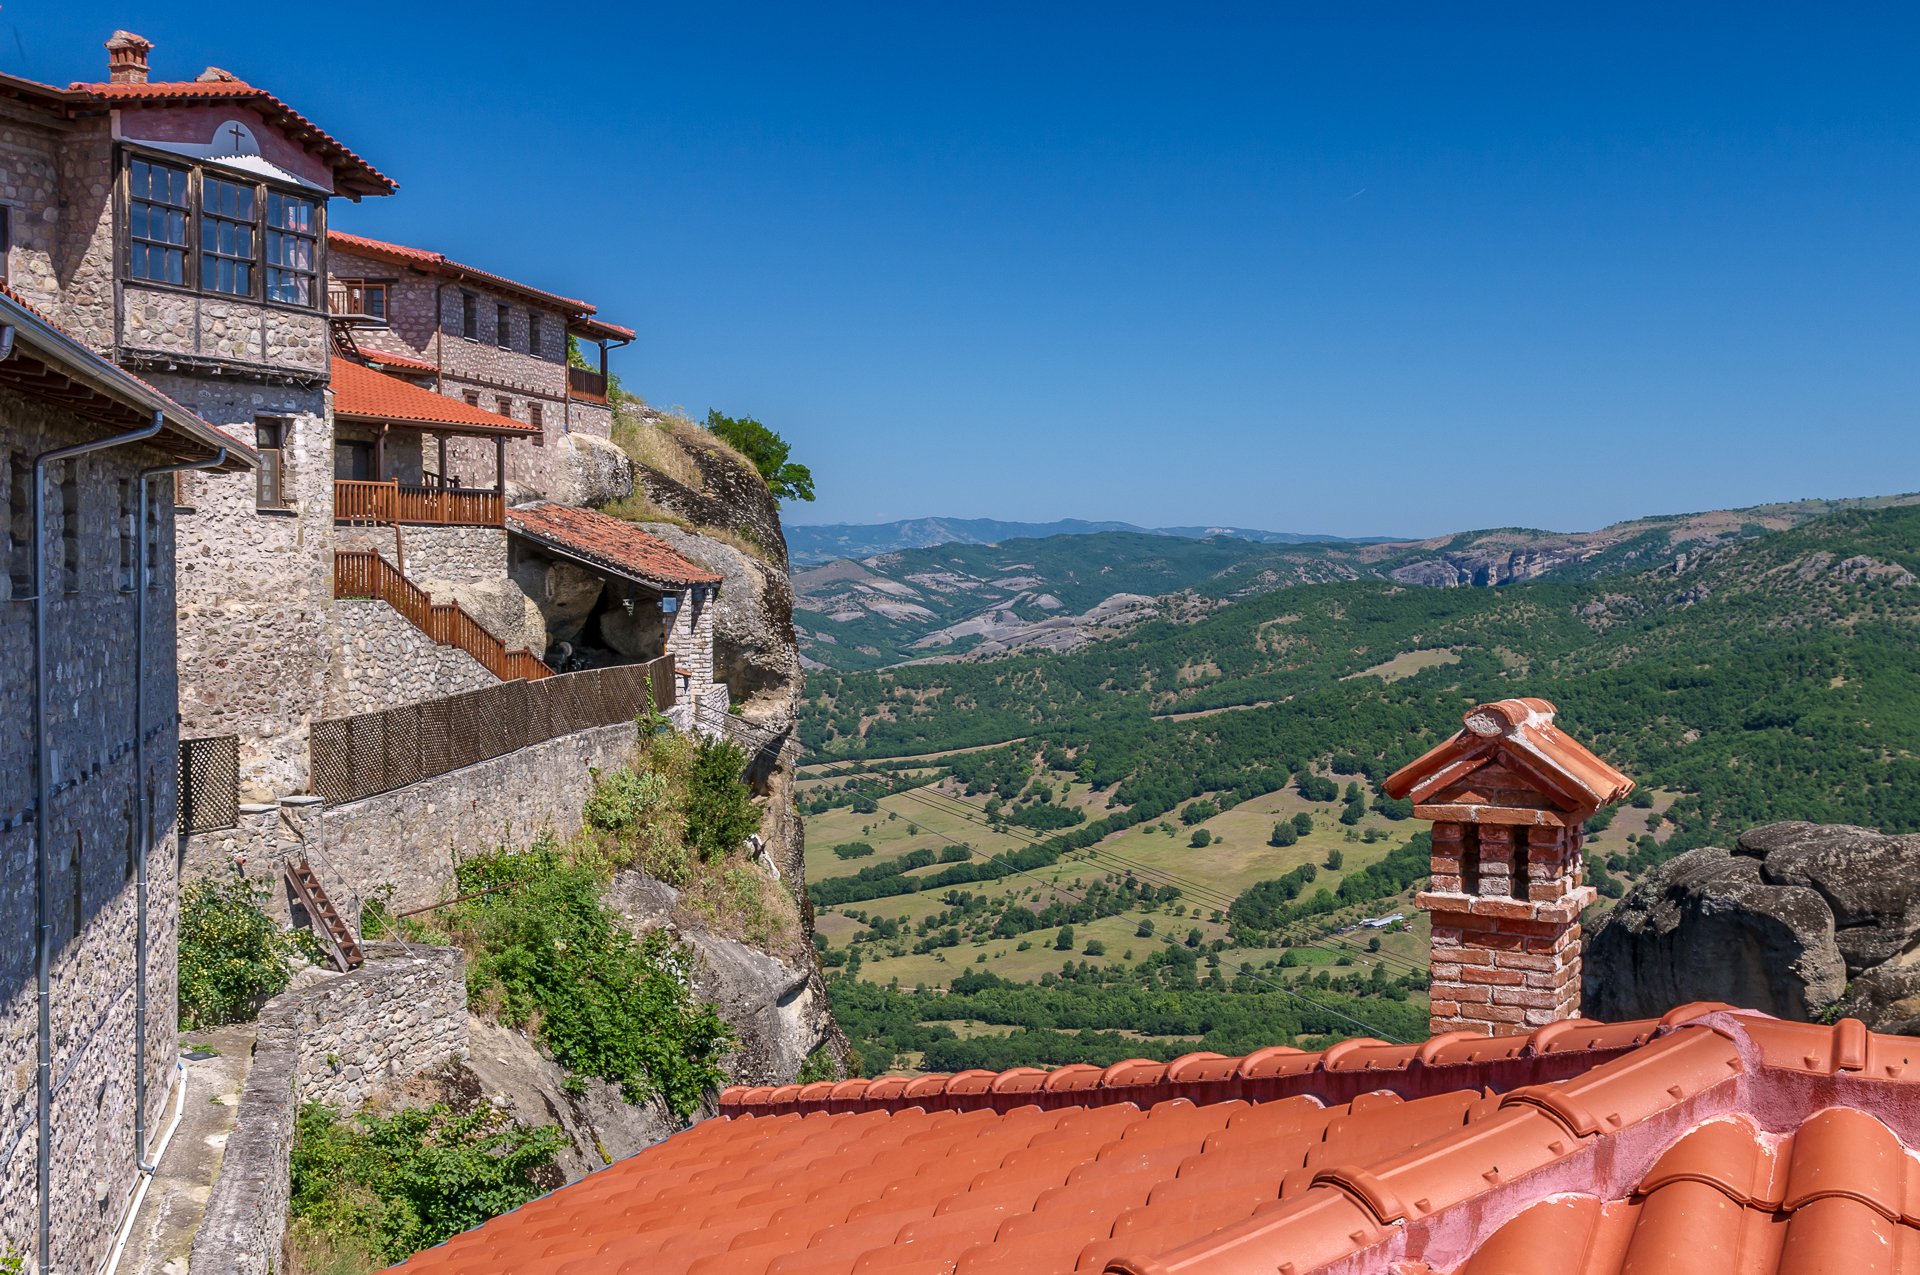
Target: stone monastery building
column 294, row 557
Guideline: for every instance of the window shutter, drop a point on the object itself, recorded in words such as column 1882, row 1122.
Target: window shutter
column 267, row 480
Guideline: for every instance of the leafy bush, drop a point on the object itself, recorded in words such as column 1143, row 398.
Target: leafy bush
column 1048, row 818
column 546, row 952
column 1602, row 819
column 1303, row 823
column 1335, row 859
column 720, row 809
column 1351, row 813
column 768, row 452
column 1198, row 812
column 1063, row 942
column 232, row 952
column 1201, row 839
column 853, row 850
column 1094, row 947
column 622, row 799
column 391, row 1186
column 1283, row 835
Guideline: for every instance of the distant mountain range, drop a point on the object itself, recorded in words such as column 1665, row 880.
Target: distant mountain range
column 859, row 540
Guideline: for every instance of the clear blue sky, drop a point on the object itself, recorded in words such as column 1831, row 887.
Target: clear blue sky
column 1394, row 270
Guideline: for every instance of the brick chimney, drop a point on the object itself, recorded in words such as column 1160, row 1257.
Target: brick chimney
column 127, row 58
column 1507, row 796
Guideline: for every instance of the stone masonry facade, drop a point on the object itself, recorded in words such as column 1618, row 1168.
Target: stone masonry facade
column 338, row 1042
column 93, row 837
column 426, row 321
column 385, row 662
column 256, row 585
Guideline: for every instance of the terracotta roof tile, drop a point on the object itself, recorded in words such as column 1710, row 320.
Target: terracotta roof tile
column 1698, row 1142
column 618, row 544
column 439, row 263
column 362, row 393
column 354, row 175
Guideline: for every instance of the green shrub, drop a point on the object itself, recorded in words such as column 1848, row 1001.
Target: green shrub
column 1314, row 788
column 1283, row 835
column 607, row 1004
column 720, row 809
column 853, row 850
column 1334, row 860
column 232, row 952
column 1063, row 941
column 1303, row 823
column 1351, row 814
column 1198, row 812
column 1201, row 839
column 1094, row 947
column 391, row 1186
column 621, row 800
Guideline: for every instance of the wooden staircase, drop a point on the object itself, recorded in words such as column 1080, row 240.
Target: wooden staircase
column 327, row 923
column 365, row 574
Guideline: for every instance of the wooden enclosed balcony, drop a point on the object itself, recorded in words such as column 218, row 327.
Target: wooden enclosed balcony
column 397, row 502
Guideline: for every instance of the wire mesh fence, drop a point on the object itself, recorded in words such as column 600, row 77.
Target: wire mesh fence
column 355, row 757
column 209, row 783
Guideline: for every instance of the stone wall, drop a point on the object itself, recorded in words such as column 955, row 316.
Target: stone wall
column 384, row 661
column 256, row 586
column 401, row 1014
column 455, row 553
column 412, row 837
column 229, row 329
column 93, row 840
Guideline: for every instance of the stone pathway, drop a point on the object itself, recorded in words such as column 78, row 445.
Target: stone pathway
column 163, row 1233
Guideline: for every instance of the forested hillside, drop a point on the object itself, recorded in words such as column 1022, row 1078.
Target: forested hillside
column 1765, row 678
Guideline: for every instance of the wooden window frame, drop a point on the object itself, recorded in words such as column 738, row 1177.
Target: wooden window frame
column 470, row 316
column 196, row 214
column 503, row 406
column 503, row 325
column 533, row 333
column 313, row 236
column 536, row 417
column 189, row 266
column 246, row 264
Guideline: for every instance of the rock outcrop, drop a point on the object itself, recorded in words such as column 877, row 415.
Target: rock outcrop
column 1779, row 924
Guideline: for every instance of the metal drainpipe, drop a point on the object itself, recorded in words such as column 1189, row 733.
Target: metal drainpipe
column 141, row 813
column 42, row 784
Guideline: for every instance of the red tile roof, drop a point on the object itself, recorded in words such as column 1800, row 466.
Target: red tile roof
column 385, row 359
column 611, row 542
column 438, row 263
column 360, row 393
column 1518, row 740
column 353, row 176
column 1711, row 1140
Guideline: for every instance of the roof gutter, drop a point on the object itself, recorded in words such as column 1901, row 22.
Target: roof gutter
column 81, row 364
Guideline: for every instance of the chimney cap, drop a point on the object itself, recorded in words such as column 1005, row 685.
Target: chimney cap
column 127, row 57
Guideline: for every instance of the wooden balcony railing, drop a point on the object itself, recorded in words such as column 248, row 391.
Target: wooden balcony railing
column 355, row 501
column 588, row 385
column 365, row 574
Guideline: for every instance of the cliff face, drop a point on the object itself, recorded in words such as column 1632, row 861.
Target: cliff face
column 725, row 520
column 1800, row 920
